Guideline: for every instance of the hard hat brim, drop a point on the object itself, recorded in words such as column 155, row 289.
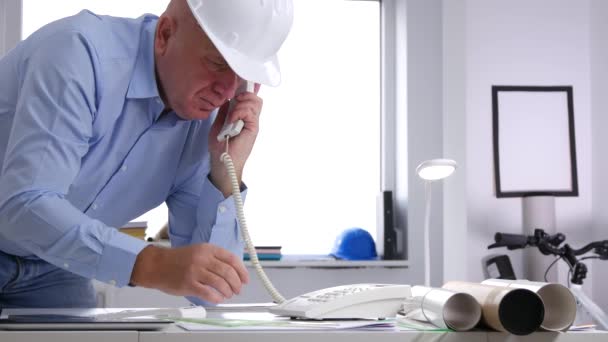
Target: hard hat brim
column 266, row 71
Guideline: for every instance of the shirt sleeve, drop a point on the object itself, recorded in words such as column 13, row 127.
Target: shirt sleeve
column 199, row 213
column 204, row 217
column 50, row 136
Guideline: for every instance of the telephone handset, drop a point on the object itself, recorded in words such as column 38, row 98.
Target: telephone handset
column 234, row 128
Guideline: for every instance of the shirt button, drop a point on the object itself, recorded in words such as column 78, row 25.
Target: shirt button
column 222, row 209
column 159, row 101
column 94, row 206
column 123, row 168
column 112, row 282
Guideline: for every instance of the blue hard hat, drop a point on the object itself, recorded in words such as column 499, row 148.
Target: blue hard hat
column 354, row 244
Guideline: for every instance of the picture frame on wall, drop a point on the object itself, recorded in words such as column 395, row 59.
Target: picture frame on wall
column 534, row 141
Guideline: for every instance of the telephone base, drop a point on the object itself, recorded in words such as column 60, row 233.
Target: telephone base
column 358, row 301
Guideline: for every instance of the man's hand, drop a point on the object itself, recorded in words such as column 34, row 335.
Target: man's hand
column 202, row 270
column 248, row 108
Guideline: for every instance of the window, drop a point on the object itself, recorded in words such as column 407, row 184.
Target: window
column 315, row 169
column 39, row 13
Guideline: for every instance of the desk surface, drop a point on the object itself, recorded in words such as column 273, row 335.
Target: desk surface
column 176, row 334
column 69, row 336
column 173, row 333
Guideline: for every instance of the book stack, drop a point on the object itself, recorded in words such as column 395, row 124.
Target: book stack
column 136, row 229
column 265, row 253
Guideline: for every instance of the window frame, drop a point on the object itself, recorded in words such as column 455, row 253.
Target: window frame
column 393, row 103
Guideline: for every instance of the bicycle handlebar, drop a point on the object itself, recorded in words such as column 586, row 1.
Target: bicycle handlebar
column 550, row 245
column 511, row 241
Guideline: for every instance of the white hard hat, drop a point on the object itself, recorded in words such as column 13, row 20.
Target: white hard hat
column 248, row 34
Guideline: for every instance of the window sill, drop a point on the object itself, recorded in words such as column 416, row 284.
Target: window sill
column 323, row 261
column 316, row 261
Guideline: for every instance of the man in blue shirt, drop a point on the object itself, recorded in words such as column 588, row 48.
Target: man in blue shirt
column 103, row 119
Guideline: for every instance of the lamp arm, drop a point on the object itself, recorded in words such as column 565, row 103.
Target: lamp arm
column 427, row 243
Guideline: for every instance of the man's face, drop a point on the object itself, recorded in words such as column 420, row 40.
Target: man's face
column 194, row 79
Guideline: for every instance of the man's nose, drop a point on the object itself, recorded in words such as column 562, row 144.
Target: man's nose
column 229, row 83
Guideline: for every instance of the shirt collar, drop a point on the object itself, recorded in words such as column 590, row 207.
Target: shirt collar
column 143, row 81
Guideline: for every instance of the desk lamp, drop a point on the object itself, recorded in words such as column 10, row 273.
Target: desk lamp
column 430, row 171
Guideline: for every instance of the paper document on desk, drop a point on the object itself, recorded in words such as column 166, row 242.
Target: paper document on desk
column 241, row 307
column 219, row 324
column 85, row 312
column 281, row 324
column 408, row 324
column 83, row 319
column 109, row 313
column 583, row 327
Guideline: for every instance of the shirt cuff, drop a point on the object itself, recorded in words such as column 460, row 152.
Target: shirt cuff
column 118, row 259
column 219, row 213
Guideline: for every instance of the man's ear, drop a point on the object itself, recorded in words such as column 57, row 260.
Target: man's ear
column 164, row 31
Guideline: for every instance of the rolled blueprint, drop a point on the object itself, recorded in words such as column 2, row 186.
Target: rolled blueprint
column 443, row 308
column 560, row 304
column 508, row 309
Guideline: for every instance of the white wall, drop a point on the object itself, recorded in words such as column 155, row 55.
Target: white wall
column 541, row 42
column 599, row 110
column 455, row 221
column 424, row 133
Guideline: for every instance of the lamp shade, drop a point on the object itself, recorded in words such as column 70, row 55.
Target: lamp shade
column 436, row 169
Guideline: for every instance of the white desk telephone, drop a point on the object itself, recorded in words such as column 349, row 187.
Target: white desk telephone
column 349, row 301
column 346, row 302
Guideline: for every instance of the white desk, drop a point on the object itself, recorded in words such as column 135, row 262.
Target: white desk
column 175, row 334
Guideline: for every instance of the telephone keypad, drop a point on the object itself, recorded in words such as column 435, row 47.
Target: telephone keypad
column 326, row 296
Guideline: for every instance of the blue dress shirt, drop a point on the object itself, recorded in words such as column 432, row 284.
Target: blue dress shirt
column 84, row 149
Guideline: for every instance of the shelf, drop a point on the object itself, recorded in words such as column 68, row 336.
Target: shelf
column 318, row 261
column 313, row 261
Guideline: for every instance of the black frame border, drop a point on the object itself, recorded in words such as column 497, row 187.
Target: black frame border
column 573, row 168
